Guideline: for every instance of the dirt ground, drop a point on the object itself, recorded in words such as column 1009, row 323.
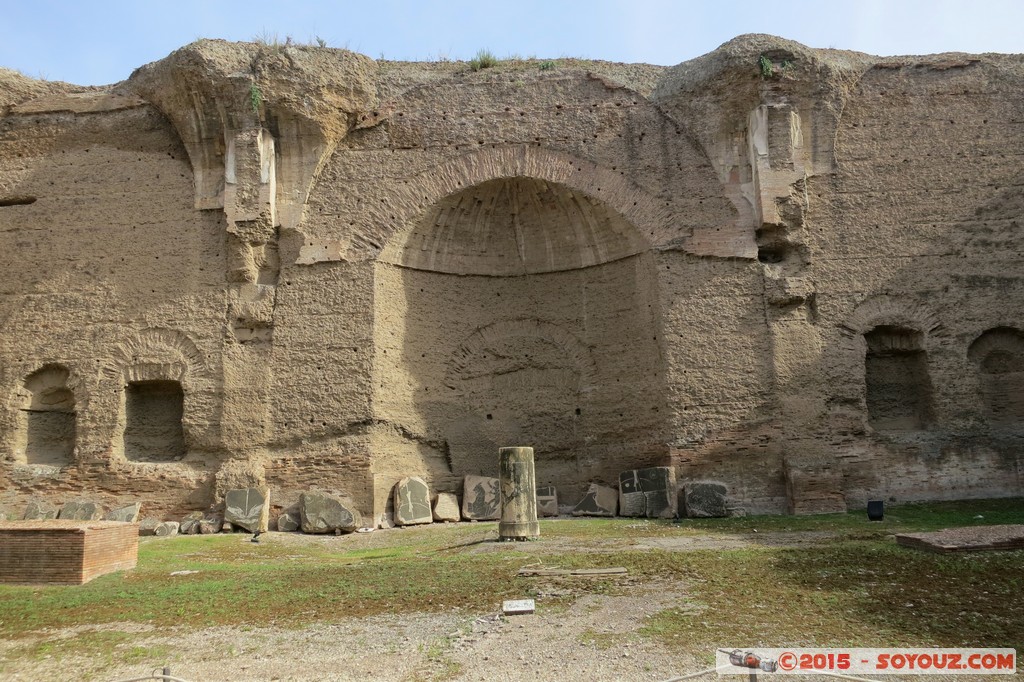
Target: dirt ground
column 591, row 640
column 595, row 637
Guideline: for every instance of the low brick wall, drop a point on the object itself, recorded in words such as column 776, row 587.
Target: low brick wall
column 65, row 552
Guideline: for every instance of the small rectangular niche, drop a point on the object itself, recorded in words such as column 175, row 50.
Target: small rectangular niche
column 899, row 390
column 153, row 430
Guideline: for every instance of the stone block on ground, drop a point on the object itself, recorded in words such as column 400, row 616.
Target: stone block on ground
column 599, row 501
column 190, row 524
column 148, row 526
column 703, row 500
column 649, row 493
column 81, row 510
column 248, row 508
column 211, row 523
column 481, row 498
column 412, row 502
column 289, row 521
column 323, row 513
column 446, row 507
column 166, row 529
column 128, row 514
column 40, row 510
column 547, row 501
column 814, row 485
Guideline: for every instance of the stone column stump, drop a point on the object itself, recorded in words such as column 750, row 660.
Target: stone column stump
column 518, row 495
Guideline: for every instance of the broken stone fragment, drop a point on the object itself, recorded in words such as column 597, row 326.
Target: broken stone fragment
column 211, row 523
column 704, row 500
column 322, row 513
column 289, row 521
column 649, row 493
column 481, row 498
column 446, row 507
column 40, row 510
column 412, row 502
column 166, row 529
column 248, row 508
column 148, row 526
column 190, row 524
column 547, row 501
column 129, row 514
column 81, row 510
column 599, row 501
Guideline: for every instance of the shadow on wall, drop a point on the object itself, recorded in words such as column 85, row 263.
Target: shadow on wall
column 521, row 313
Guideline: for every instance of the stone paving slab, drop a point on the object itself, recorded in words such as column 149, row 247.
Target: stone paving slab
column 969, row 539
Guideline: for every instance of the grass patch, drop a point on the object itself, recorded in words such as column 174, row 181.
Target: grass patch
column 105, row 647
column 849, row 585
column 600, row 640
column 852, row 593
column 484, row 59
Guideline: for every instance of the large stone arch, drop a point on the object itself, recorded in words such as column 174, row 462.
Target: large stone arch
column 654, row 220
column 563, row 359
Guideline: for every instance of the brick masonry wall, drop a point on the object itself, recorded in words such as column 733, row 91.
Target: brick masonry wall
column 65, row 552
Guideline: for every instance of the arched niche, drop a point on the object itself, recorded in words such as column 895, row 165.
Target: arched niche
column 898, row 389
column 521, row 311
column 47, row 425
column 998, row 356
column 157, row 372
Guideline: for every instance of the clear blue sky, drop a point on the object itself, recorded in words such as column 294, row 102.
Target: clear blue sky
column 94, row 42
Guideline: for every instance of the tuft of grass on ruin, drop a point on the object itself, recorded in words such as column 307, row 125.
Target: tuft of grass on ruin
column 484, row 59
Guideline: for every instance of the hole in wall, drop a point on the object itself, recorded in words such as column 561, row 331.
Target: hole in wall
column 153, row 429
column 898, row 387
column 49, row 426
column 22, row 200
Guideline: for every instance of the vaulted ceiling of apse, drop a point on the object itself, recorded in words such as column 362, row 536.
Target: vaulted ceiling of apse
column 515, row 226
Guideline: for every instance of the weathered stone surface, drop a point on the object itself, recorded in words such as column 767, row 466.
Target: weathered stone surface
column 412, row 502
column 814, row 485
column 190, row 524
column 702, row 499
column 446, row 507
column 40, row 510
column 81, row 510
column 127, row 514
column 599, row 501
column 289, row 521
column 166, row 529
column 148, row 526
column 547, row 500
column 323, row 513
column 649, row 492
column 248, row 508
column 518, row 494
column 741, row 256
column 481, row 498
column 211, row 523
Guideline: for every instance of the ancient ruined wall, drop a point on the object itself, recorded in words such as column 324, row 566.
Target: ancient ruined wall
column 111, row 279
column 918, row 259
column 792, row 271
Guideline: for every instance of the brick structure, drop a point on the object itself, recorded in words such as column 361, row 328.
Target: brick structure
column 65, row 552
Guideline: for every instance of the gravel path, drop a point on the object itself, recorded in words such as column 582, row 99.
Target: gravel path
column 593, row 639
